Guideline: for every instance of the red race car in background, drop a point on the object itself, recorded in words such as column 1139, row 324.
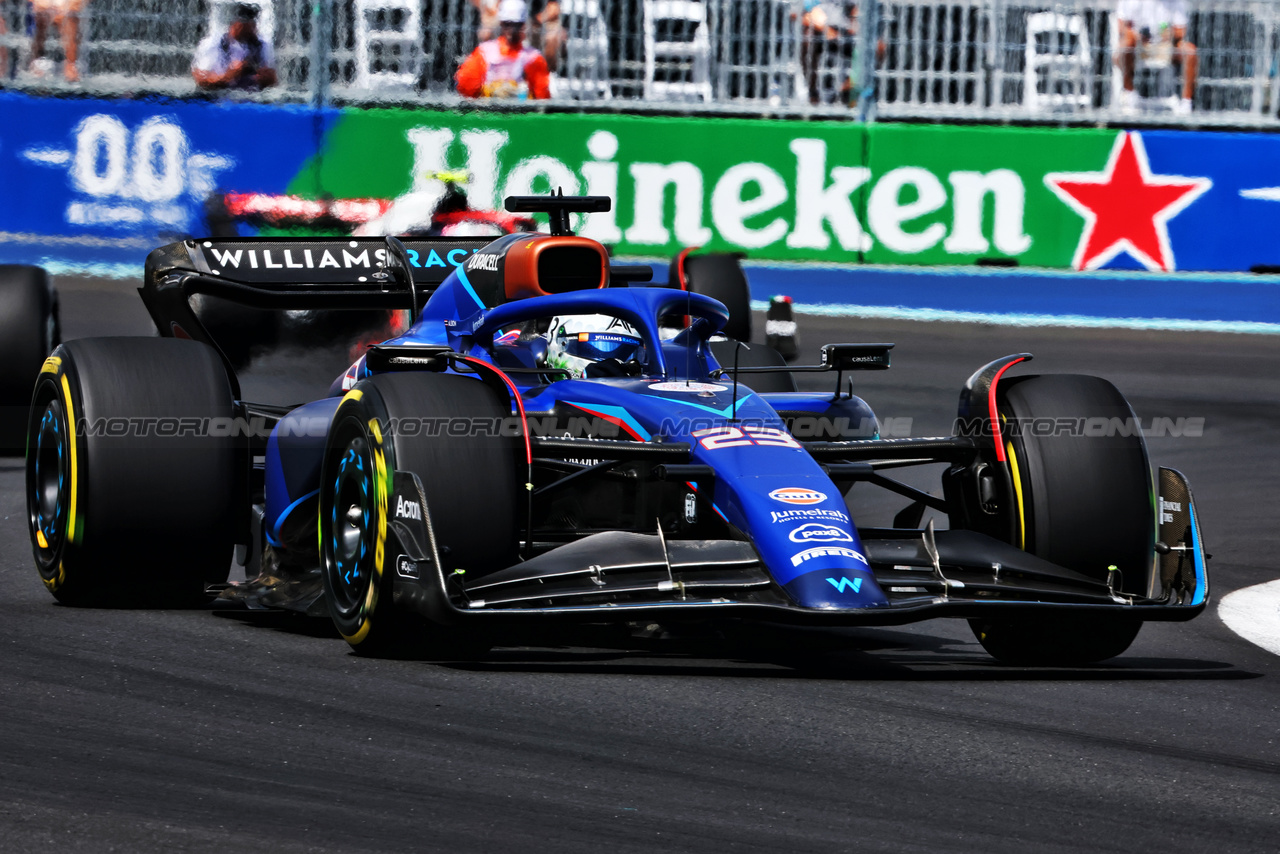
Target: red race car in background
column 442, row 209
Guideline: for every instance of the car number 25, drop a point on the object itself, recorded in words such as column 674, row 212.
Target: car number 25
column 716, row 438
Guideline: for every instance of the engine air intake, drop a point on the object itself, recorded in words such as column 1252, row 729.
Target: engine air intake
column 569, row 268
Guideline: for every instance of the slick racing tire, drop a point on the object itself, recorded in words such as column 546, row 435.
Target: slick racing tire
column 28, row 331
column 1056, row 641
column 416, row 422
column 720, row 276
column 1083, row 497
column 131, row 482
column 240, row 331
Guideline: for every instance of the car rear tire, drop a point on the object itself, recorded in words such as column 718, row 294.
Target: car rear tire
column 240, row 331
column 402, row 422
column 1083, row 494
column 28, row 331
column 131, row 483
column 754, row 356
column 720, row 276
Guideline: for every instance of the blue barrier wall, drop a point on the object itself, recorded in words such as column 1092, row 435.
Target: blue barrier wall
column 91, row 182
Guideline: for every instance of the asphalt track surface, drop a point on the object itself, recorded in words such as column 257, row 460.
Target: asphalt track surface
column 126, row 730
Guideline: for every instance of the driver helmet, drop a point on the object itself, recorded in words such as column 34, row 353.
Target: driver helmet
column 576, row 341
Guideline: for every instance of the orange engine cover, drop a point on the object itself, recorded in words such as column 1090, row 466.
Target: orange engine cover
column 554, row 264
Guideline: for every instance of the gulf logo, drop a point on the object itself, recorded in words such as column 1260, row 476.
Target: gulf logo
column 796, row 495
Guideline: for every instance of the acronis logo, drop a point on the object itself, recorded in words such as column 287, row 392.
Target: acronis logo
column 844, row 583
column 407, row 509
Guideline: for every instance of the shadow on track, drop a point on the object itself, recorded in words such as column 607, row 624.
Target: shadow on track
column 288, row 622
column 755, row 651
column 849, row 665
column 781, row 652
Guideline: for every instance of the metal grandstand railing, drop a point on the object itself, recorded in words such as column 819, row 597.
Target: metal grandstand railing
column 962, row 59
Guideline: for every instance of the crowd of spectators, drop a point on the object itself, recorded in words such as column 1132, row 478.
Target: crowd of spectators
column 522, row 43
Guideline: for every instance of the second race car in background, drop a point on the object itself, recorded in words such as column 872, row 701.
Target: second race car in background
column 441, row 208
column 29, row 329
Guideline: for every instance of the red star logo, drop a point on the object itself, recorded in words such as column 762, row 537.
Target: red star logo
column 1125, row 207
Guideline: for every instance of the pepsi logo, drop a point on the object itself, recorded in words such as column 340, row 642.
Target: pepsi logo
column 796, row 495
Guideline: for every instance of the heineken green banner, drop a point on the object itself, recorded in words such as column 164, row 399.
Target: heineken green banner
column 100, row 182
column 835, row 192
column 779, row 190
column 948, row 195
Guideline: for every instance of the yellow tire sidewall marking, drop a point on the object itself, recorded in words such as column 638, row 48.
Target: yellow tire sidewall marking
column 53, row 365
column 54, row 583
column 381, row 492
column 1017, row 490
column 73, row 530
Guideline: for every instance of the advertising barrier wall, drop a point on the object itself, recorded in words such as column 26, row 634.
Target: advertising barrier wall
column 844, row 193
column 100, row 182
column 88, row 181
column 1075, row 199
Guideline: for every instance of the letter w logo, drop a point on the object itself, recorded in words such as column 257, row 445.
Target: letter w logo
column 840, row 585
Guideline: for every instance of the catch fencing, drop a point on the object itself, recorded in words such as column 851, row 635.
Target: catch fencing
column 976, row 60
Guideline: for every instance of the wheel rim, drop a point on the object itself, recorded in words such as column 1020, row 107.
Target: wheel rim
column 350, row 526
column 49, row 504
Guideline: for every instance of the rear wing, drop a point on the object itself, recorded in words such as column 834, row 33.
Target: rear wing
column 296, row 273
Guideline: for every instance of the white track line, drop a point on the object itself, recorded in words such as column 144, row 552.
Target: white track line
column 1254, row 614
column 880, row 312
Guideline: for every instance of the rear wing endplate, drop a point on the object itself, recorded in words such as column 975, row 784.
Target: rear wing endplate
column 297, row 273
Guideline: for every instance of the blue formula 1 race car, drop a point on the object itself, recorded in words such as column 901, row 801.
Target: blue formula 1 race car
column 553, row 442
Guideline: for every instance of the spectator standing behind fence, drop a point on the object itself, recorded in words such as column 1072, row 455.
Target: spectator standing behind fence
column 65, row 15
column 505, row 67
column 548, row 33
column 829, row 50
column 1155, row 30
column 488, row 10
column 236, row 59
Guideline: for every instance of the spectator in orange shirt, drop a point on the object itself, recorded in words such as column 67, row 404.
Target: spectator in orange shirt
column 505, row 67
column 65, row 15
